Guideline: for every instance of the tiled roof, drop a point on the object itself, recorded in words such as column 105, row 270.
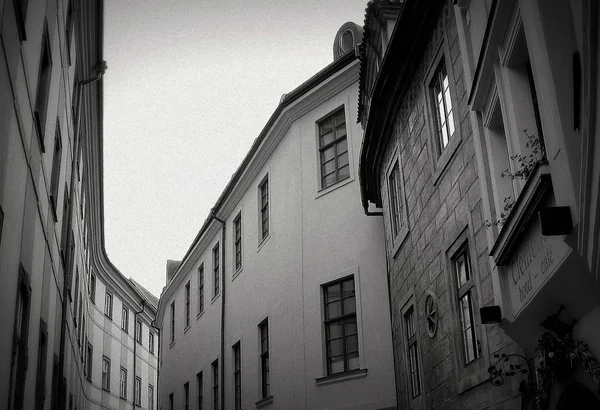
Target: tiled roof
column 145, row 293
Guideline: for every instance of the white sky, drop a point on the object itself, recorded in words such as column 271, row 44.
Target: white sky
column 190, row 84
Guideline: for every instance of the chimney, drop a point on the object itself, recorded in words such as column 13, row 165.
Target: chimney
column 171, row 268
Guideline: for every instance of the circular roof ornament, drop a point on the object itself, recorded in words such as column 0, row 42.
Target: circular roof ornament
column 431, row 314
column 347, row 38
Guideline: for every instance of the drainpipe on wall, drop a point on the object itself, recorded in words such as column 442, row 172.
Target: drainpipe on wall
column 223, row 264
column 135, row 315
column 100, row 69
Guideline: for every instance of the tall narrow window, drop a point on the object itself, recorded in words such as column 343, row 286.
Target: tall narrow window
column 43, row 89
column 187, row 304
column 215, row 386
column 200, row 387
column 138, row 391
column 172, row 321
column 396, row 203
column 186, row 395
column 125, row 320
column 412, row 352
column 105, row 373
column 466, row 296
column 69, row 29
column 171, row 404
column 264, row 208
column 89, row 360
column 265, row 378
column 150, row 397
column 138, row 331
column 55, row 176
column 216, row 275
column 237, row 376
column 333, row 149
column 123, row 383
column 20, row 7
column 151, row 342
column 1, row 223
column 237, row 241
column 92, row 288
column 20, row 338
column 201, row 288
column 341, row 332
column 108, row 304
column 40, row 382
column 442, row 99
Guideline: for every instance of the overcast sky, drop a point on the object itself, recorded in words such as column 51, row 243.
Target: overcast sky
column 190, row 84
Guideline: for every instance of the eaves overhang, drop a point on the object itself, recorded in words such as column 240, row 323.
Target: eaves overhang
column 409, row 39
column 290, row 107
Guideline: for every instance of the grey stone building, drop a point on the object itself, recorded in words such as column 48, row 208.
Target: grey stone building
column 418, row 168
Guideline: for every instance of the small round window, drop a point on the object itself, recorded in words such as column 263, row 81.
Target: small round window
column 347, row 41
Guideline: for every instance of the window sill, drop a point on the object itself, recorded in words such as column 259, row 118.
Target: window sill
column 341, row 377
column 186, row 329
column 264, row 402
column 199, row 315
column 399, row 240
column 172, row 344
column 237, row 273
column 263, row 241
column 441, row 163
column 215, row 298
column 333, row 187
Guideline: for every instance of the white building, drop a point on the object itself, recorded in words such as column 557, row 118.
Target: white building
column 281, row 301
column 62, row 345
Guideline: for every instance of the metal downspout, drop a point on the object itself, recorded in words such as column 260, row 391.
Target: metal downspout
column 135, row 315
column 223, row 264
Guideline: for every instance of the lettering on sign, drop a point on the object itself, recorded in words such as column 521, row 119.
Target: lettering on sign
column 534, row 262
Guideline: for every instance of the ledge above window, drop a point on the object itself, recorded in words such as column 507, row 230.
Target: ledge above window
column 341, row 377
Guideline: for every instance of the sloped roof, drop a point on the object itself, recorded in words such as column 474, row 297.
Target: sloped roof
column 145, row 293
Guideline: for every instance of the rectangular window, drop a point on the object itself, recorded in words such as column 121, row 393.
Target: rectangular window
column 173, row 322
column 264, row 207
column 105, row 373
column 201, row 288
column 1, row 223
column 21, row 16
column 171, row 404
column 466, row 295
column 150, row 397
column 108, row 304
column 215, row 388
column 200, row 386
column 92, row 288
column 237, row 376
column 341, row 334
column 89, row 360
column 412, row 352
column 396, row 202
column 151, row 342
column 265, row 378
column 138, row 331
column 55, row 176
column 69, row 29
column 216, row 270
column 138, row 391
column 40, row 385
column 442, row 101
column 123, row 383
column 333, row 149
column 237, row 241
column 187, row 304
column 43, row 88
column 125, row 320
column 186, row 395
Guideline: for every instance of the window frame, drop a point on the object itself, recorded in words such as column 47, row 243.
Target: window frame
column 172, row 323
column 216, row 259
column 151, row 342
column 321, row 148
column 186, row 395
column 21, row 8
column 137, row 391
column 188, row 296
column 89, row 360
column 150, row 397
column 55, row 173
column 264, row 209
column 237, row 243
column 123, row 383
column 441, row 155
column 215, row 384
column 108, row 304
column 237, row 375
column 125, row 319
column 105, row 373
column 44, row 74
column 265, row 363
column 398, row 238
column 200, row 390
column 412, row 345
column 341, row 318
column 201, row 288
column 138, row 331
